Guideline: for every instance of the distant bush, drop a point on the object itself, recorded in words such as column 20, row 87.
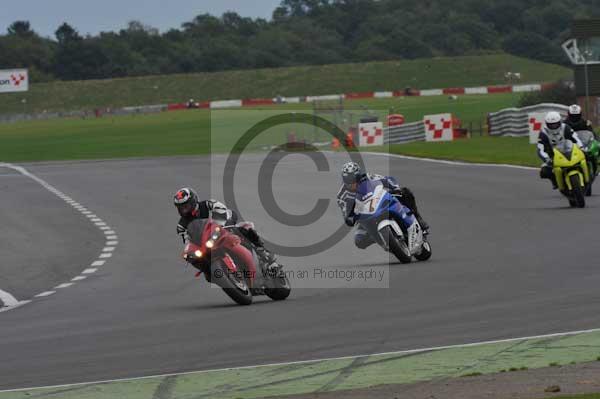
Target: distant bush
column 562, row 92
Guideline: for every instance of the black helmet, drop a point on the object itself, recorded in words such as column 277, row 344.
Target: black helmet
column 351, row 173
column 186, row 202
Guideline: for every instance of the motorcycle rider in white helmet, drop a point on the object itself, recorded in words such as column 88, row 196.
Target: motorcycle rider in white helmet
column 554, row 132
column 576, row 121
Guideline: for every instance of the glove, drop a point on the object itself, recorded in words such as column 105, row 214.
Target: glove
column 549, row 162
column 350, row 221
column 180, row 229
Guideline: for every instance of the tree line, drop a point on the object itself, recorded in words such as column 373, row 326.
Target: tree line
column 301, row 32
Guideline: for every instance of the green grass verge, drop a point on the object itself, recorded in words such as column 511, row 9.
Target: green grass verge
column 295, row 81
column 189, row 132
column 341, row 374
column 506, row 150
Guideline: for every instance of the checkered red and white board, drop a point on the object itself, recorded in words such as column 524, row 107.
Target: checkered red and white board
column 535, row 121
column 370, row 134
column 438, row 127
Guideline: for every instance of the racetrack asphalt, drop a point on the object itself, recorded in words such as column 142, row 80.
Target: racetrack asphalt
column 510, row 259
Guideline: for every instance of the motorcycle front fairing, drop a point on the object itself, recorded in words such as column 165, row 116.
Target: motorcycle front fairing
column 569, row 160
column 209, row 241
column 376, row 208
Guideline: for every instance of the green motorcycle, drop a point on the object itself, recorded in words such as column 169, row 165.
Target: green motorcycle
column 591, row 147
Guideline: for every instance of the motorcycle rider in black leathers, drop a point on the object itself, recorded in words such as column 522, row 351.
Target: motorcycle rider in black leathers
column 576, row 121
column 553, row 133
column 352, row 175
column 190, row 207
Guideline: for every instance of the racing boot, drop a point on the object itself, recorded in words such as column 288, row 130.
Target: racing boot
column 265, row 256
column 424, row 225
column 268, row 259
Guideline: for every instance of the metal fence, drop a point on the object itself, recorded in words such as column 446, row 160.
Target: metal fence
column 405, row 133
column 515, row 121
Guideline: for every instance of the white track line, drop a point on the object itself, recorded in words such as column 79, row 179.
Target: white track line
column 448, row 162
column 45, row 294
column 7, row 300
column 89, row 271
column 6, row 309
column 63, row 285
column 394, row 353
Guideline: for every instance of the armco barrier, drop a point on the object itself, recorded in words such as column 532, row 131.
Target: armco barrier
column 454, row 90
column 257, row 101
column 414, row 131
column 267, row 101
column 355, row 96
column 514, row 121
column 499, row 89
column 225, row 104
column 147, row 109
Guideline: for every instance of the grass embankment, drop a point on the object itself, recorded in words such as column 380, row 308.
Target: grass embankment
column 506, row 150
column 294, row 81
column 189, row 132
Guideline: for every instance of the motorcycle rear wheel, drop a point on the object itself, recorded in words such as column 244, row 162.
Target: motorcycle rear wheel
column 396, row 246
column 425, row 252
column 282, row 291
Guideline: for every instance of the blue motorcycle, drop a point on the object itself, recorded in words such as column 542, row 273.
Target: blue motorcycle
column 391, row 224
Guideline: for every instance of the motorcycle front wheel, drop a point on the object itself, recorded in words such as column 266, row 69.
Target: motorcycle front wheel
column 396, row 246
column 235, row 285
column 577, row 192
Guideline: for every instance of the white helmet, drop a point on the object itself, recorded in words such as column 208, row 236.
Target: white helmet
column 553, row 122
column 574, row 113
column 574, row 110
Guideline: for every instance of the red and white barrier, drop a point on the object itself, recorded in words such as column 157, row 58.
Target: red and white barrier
column 356, row 96
column 431, row 92
column 438, row 127
column 476, row 90
column 536, row 123
column 383, row 94
column 257, row 101
column 372, row 94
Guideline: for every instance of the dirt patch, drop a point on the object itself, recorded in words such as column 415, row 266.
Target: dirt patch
column 525, row 384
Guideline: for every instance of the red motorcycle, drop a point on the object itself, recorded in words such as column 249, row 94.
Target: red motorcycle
column 227, row 260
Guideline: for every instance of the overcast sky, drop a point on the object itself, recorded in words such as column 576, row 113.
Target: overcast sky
column 93, row 16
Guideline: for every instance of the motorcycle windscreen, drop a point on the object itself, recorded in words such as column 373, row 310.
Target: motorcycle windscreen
column 195, row 229
column 586, row 137
column 565, row 147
